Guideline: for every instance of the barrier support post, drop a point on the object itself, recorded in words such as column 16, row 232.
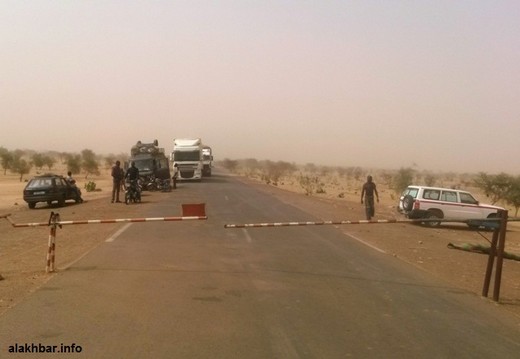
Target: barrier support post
column 500, row 254
column 51, row 252
column 491, row 262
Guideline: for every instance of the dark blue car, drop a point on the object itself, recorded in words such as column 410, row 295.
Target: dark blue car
column 50, row 188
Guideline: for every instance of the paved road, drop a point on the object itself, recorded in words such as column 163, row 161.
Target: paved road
column 197, row 290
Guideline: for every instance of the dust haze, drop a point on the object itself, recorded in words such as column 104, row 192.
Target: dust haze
column 335, row 83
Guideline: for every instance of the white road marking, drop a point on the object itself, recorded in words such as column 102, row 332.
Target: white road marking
column 365, row 243
column 118, row 233
column 248, row 237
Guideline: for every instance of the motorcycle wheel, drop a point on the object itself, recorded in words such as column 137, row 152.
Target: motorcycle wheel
column 127, row 197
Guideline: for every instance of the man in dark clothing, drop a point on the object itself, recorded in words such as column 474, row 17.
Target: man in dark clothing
column 72, row 183
column 117, row 177
column 369, row 188
column 132, row 173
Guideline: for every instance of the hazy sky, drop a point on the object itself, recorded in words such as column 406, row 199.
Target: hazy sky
column 371, row 83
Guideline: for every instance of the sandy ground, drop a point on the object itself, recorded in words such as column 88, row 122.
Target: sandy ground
column 23, row 250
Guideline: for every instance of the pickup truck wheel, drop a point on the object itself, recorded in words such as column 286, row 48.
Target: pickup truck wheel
column 408, row 203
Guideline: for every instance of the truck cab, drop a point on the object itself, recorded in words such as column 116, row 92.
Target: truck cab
column 187, row 157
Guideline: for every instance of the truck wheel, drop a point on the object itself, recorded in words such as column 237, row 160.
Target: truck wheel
column 433, row 215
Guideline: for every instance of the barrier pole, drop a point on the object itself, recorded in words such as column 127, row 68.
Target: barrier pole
column 500, row 254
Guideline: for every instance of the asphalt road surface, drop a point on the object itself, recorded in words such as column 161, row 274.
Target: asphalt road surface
column 197, row 290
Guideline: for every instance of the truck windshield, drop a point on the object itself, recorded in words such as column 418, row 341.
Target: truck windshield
column 144, row 165
column 186, row 156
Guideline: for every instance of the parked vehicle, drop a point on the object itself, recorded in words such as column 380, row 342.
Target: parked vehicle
column 207, row 161
column 187, row 155
column 132, row 191
column 151, row 162
column 418, row 202
column 50, row 188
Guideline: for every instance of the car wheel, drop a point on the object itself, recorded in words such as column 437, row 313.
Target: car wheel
column 61, row 202
column 433, row 215
column 408, row 203
column 32, row 205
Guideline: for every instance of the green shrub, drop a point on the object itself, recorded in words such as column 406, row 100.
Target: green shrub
column 90, row 186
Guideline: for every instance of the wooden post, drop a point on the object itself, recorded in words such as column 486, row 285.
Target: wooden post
column 491, row 261
column 500, row 254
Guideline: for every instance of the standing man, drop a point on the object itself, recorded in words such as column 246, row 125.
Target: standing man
column 117, row 177
column 369, row 188
column 175, row 175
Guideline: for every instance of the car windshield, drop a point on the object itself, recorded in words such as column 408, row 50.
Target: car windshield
column 40, row 182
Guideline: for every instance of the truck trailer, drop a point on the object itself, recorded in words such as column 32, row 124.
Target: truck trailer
column 187, row 157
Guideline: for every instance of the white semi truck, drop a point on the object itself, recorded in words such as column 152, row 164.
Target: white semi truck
column 187, row 157
column 207, row 159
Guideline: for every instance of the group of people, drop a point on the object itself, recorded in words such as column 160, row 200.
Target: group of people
column 118, row 177
column 132, row 173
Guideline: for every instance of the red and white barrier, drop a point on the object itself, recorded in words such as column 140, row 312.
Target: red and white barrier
column 363, row 221
column 320, row 223
column 104, row 221
column 190, row 212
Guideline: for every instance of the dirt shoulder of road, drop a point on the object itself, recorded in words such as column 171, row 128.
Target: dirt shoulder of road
column 23, row 251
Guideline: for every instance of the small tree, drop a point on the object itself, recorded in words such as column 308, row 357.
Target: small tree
column 6, row 159
column 38, row 160
column 89, row 163
column 494, row 186
column 513, row 196
column 402, row 179
column 73, row 163
column 21, row 167
column 109, row 161
column 49, row 162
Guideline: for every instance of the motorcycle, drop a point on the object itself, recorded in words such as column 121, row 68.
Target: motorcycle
column 132, row 191
column 164, row 185
column 152, row 183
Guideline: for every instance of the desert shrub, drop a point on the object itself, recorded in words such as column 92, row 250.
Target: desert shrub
column 402, row 179
column 311, row 184
column 90, row 186
column 230, row 165
column 430, row 179
column 273, row 171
